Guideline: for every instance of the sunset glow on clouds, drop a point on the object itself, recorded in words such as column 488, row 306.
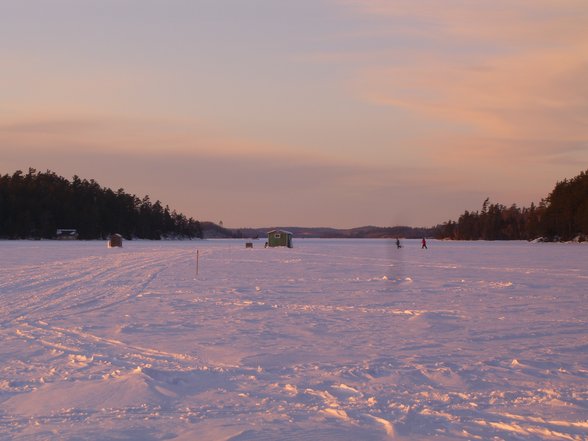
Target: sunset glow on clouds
column 362, row 112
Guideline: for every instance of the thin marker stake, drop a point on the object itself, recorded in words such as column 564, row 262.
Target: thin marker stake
column 197, row 261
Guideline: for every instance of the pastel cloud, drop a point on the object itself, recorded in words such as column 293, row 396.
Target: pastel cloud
column 540, row 95
column 522, row 22
column 498, row 71
column 141, row 136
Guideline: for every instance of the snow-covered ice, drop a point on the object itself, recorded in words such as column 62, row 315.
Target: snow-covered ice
column 331, row 340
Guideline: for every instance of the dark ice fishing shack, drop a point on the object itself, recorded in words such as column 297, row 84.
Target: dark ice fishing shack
column 115, row 241
column 279, row 238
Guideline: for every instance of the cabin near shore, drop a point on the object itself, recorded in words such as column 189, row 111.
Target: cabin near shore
column 279, row 238
column 66, row 234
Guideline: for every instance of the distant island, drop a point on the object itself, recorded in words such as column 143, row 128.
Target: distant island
column 36, row 205
column 560, row 216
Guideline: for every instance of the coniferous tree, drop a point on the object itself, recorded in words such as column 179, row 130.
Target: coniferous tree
column 35, row 205
column 562, row 215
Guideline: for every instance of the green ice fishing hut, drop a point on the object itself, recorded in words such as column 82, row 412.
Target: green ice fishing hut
column 279, row 238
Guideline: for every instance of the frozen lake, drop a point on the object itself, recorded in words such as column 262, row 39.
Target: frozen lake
column 330, row 340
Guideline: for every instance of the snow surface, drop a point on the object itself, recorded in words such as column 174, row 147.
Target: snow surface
column 331, row 340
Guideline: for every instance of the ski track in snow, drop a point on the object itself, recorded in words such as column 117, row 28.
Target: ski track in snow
column 331, row 340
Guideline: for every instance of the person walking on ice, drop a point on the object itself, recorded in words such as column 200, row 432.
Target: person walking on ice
column 398, row 243
column 424, row 244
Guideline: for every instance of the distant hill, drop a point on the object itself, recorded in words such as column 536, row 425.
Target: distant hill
column 211, row 230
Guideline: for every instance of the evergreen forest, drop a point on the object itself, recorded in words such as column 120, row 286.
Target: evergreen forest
column 36, row 204
column 562, row 215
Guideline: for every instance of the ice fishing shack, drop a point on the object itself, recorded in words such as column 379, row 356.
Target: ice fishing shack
column 115, row 241
column 279, row 238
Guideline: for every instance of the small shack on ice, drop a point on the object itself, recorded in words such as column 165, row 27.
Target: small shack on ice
column 66, row 234
column 279, row 238
column 115, row 241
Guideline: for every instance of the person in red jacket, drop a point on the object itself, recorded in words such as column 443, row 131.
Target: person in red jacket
column 424, row 244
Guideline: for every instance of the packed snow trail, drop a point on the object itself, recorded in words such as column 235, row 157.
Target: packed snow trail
column 331, row 340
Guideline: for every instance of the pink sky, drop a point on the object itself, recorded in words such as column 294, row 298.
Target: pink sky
column 355, row 112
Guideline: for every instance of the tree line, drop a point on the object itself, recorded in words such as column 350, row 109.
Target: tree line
column 562, row 215
column 36, row 204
